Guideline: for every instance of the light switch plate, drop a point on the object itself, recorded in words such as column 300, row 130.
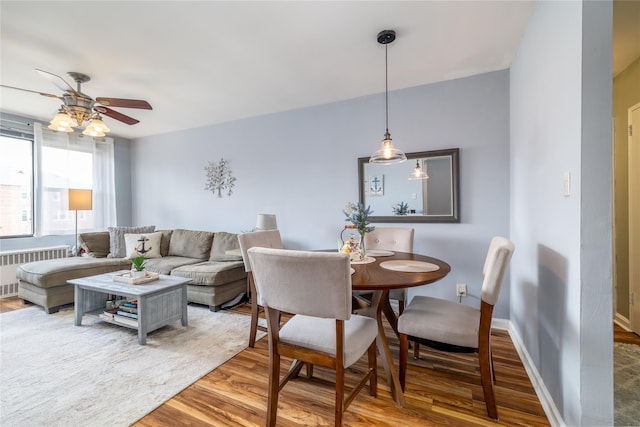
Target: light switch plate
column 566, row 184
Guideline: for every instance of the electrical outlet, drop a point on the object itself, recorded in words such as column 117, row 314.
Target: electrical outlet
column 461, row 290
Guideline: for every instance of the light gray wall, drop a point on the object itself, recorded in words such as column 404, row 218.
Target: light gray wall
column 302, row 166
column 561, row 269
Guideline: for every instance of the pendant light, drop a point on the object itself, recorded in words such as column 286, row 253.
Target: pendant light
column 387, row 154
column 418, row 173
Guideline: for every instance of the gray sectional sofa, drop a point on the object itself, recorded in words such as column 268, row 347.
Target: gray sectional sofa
column 199, row 255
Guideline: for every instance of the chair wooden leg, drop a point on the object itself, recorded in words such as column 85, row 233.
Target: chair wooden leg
column 485, row 359
column 340, row 405
column 373, row 366
column 255, row 312
column 493, row 371
column 274, row 370
column 404, row 352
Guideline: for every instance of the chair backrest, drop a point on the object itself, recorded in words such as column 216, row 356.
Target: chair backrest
column 398, row 239
column 263, row 239
column 315, row 284
column 495, row 265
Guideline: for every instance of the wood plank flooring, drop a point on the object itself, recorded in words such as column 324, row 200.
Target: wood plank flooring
column 442, row 389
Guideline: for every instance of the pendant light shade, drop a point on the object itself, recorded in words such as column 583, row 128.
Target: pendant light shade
column 387, row 154
column 418, row 173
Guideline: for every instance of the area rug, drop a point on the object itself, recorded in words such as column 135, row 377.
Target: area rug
column 626, row 393
column 56, row 374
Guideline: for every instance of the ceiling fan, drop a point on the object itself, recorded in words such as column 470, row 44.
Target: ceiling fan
column 78, row 107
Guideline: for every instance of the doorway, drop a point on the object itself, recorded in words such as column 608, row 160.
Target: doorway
column 634, row 217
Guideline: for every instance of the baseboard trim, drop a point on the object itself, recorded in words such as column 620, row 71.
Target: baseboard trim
column 548, row 405
column 623, row 322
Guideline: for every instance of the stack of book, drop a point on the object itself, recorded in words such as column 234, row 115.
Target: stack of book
column 126, row 313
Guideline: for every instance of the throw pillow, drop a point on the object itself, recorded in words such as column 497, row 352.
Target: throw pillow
column 117, row 248
column 143, row 244
column 222, row 242
column 164, row 243
column 94, row 244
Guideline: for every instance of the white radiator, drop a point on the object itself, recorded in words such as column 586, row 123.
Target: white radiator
column 10, row 260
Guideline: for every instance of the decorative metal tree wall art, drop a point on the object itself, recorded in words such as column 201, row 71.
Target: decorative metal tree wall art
column 219, row 178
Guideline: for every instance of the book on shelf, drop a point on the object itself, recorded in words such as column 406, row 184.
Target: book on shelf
column 125, row 320
column 127, row 314
column 133, row 310
column 107, row 317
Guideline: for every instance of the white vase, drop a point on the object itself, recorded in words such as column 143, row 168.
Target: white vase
column 135, row 274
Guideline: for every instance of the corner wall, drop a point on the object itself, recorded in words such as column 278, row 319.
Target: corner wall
column 561, row 270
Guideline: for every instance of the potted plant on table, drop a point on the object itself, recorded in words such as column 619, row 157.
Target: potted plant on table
column 137, row 267
column 358, row 216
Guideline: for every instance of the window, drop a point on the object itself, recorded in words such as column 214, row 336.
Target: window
column 16, row 186
column 37, row 170
column 71, row 160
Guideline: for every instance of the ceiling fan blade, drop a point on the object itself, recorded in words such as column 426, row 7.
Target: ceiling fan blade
column 115, row 115
column 57, row 80
column 125, row 103
column 32, row 91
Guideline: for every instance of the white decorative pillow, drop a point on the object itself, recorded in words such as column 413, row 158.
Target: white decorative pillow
column 116, row 238
column 144, row 244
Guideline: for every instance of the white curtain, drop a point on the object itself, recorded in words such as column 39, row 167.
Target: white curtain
column 68, row 174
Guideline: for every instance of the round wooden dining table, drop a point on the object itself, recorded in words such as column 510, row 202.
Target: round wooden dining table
column 379, row 280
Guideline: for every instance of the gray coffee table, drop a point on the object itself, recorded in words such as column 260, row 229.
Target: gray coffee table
column 160, row 302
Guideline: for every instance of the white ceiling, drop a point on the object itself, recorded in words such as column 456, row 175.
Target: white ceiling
column 204, row 62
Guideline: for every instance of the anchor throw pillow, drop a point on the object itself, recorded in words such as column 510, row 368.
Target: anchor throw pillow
column 143, row 244
column 116, row 238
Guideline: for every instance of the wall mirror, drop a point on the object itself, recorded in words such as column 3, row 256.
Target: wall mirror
column 394, row 197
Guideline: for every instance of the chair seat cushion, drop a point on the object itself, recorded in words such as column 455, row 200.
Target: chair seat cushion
column 440, row 320
column 320, row 334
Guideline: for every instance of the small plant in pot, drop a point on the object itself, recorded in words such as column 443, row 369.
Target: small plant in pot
column 137, row 267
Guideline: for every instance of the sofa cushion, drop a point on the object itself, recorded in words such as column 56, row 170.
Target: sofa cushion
column 117, row 248
column 166, row 264
column 94, row 245
column 223, row 242
column 164, row 242
column 190, row 244
column 146, row 245
column 56, row 272
column 212, row 273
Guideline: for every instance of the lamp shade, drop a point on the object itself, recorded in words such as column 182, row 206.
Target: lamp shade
column 266, row 222
column 80, row 200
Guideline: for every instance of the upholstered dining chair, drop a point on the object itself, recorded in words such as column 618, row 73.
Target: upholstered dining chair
column 396, row 239
column 316, row 288
column 433, row 321
column 267, row 239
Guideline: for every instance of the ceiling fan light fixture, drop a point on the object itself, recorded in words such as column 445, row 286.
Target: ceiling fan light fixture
column 96, row 128
column 62, row 122
column 387, row 154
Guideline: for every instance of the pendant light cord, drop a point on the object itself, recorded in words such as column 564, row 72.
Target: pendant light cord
column 386, row 86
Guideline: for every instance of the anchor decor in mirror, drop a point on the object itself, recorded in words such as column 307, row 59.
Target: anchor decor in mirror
column 219, row 178
column 425, row 189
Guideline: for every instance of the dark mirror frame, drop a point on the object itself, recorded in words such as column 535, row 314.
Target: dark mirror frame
column 455, row 181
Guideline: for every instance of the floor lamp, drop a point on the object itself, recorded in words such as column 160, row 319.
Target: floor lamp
column 79, row 200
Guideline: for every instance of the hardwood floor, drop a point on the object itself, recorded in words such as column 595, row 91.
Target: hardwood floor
column 621, row 335
column 442, row 389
